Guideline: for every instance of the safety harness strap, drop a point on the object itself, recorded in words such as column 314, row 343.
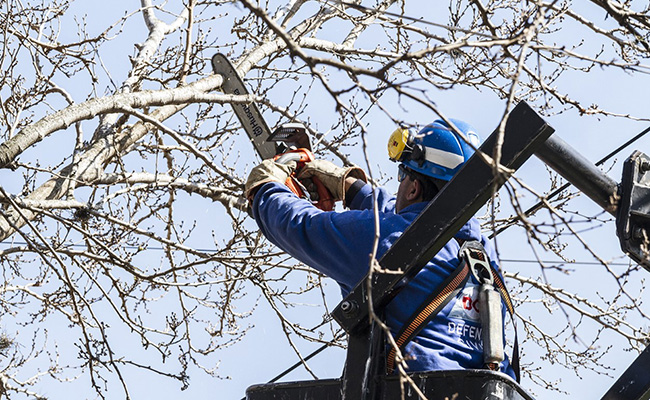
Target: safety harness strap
column 439, row 298
column 429, row 308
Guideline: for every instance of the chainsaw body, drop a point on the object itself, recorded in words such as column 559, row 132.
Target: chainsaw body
column 293, row 145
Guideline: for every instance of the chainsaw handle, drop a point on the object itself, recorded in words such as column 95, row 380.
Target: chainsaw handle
column 325, row 200
column 301, row 156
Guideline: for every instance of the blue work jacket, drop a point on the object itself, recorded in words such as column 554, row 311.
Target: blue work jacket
column 339, row 244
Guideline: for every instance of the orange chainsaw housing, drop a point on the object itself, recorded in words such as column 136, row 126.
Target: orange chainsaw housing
column 302, row 156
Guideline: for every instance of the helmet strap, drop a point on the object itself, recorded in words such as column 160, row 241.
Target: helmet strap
column 418, row 154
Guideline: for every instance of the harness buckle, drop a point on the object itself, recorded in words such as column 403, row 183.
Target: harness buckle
column 478, row 262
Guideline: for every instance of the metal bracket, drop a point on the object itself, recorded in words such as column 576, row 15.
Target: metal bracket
column 633, row 220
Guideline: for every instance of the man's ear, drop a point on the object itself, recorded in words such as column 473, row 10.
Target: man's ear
column 415, row 191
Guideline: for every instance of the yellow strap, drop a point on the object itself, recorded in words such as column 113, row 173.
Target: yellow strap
column 423, row 316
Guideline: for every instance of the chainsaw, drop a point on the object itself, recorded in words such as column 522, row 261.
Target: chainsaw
column 287, row 143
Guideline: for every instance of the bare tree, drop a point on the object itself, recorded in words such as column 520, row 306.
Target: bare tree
column 122, row 166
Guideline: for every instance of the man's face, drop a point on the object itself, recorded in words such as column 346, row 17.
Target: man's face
column 401, row 199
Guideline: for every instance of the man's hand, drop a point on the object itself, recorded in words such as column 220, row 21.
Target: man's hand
column 267, row 171
column 332, row 177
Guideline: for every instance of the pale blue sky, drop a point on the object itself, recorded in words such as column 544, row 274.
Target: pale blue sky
column 264, row 352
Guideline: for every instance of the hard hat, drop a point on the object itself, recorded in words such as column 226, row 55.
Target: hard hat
column 436, row 151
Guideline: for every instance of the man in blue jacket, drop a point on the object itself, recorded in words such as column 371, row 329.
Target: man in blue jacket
column 340, row 244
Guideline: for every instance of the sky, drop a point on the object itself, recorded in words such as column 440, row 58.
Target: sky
column 264, row 353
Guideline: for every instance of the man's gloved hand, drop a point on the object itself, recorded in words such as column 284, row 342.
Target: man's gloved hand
column 267, row 171
column 332, row 177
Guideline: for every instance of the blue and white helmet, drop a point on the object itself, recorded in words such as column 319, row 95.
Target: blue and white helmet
column 436, row 151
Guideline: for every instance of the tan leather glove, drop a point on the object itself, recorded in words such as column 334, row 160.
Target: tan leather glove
column 332, row 177
column 267, row 171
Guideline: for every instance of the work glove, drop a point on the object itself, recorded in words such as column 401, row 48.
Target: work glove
column 267, row 171
column 332, row 177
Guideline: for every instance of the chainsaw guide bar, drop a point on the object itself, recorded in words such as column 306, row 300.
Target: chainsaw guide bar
column 249, row 115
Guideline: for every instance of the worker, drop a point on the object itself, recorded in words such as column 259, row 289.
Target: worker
column 339, row 244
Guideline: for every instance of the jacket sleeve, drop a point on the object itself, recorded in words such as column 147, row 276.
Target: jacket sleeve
column 364, row 200
column 337, row 244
